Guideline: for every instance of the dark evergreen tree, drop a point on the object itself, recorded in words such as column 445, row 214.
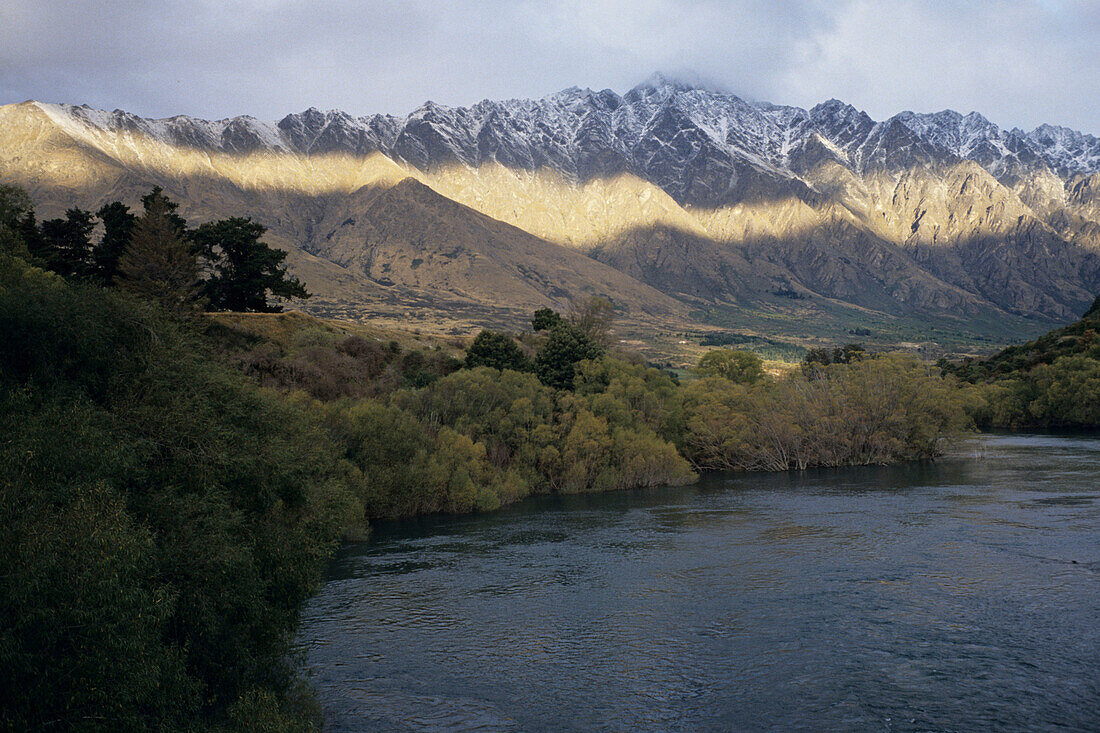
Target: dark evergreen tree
column 545, row 319
column 1094, row 309
column 497, row 350
column 246, row 270
column 68, row 243
column 15, row 206
column 159, row 264
column 157, row 198
column 555, row 363
column 815, row 360
column 32, row 237
column 14, row 203
column 118, row 228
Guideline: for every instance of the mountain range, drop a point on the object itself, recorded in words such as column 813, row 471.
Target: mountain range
column 690, row 208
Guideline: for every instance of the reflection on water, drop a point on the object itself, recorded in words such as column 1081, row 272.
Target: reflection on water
column 960, row 595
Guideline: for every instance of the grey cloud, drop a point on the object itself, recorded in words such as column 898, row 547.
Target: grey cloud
column 1020, row 62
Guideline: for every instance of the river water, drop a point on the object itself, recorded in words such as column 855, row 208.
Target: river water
column 960, row 595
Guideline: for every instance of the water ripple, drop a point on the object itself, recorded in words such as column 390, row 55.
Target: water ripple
column 954, row 596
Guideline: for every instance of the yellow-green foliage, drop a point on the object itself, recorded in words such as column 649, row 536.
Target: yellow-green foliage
column 400, row 468
column 877, row 410
column 632, row 394
column 737, row 366
column 537, row 439
column 482, row 437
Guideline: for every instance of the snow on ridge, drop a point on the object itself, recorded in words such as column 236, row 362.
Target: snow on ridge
column 1067, row 149
column 568, row 129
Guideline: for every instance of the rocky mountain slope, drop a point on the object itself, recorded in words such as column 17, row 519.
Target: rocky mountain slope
column 751, row 215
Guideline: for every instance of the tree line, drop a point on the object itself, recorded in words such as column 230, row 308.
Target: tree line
column 220, row 266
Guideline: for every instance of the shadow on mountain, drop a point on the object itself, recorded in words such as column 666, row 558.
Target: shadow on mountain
column 821, row 281
column 365, row 236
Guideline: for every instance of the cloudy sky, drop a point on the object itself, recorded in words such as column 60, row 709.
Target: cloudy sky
column 1019, row 62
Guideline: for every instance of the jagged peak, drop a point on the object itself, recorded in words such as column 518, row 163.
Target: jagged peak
column 949, row 118
column 833, row 104
column 307, row 114
column 606, row 97
column 432, row 110
column 668, row 85
column 1048, row 129
column 835, row 108
column 1059, row 131
column 573, row 91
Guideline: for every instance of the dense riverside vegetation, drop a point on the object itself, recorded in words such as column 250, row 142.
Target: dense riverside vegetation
column 171, row 484
column 1053, row 381
column 483, row 436
column 163, row 519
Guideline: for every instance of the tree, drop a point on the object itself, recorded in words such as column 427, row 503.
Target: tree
column 743, row 367
column 817, row 359
column 118, row 229
column 68, row 243
column 594, row 317
column 32, row 237
column 545, row 319
column 157, row 199
column 246, row 270
column 555, row 363
column 15, row 206
column 159, row 264
column 497, row 350
column 14, row 203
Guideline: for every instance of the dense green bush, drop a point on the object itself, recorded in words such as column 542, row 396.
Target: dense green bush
column 164, row 519
column 538, row 439
column 497, row 350
column 1053, row 381
column 630, row 394
column 403, row 469
column 566, row 346
column 1064, row 393
column 737, row 366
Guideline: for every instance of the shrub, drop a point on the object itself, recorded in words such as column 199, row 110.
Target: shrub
column 497, row 350
column 165, row 517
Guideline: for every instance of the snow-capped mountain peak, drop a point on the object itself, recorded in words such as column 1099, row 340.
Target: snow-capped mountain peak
column 698, row 144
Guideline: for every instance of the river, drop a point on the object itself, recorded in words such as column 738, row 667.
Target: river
column 960, row 595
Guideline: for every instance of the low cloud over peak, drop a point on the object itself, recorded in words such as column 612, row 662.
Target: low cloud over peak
column 1019, row 62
